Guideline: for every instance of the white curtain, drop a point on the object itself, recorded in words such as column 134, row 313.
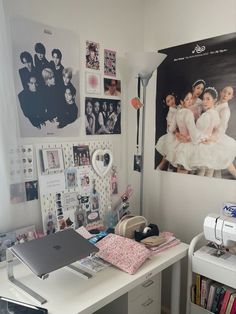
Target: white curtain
column 8, row 122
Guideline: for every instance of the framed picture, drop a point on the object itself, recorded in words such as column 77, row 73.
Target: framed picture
column 52, row 159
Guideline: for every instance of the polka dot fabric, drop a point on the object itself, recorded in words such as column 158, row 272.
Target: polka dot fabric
column 124, row 253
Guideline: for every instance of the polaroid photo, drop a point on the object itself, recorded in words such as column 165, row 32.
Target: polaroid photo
column 81, row 155
column 71, row 178
column 85, row 184
column 92, row 83
column 52, row 159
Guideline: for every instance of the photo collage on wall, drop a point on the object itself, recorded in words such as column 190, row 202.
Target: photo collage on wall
column 70, row 191
column 46, row 78
column 196, row 108
column 102, row 115
column 24, row 186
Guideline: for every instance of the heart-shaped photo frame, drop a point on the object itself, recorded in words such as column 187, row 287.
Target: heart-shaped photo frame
column 102, row 160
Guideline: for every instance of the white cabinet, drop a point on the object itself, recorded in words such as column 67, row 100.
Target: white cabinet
column 220, row 269
column 143, row 299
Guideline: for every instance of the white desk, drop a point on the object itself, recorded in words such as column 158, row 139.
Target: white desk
column 67, row 293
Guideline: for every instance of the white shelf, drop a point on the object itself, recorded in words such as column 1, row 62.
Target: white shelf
column 196, row 309
column 204, row 261
column 221, row 269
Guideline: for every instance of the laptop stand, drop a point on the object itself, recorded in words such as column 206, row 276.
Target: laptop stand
column 10, row 275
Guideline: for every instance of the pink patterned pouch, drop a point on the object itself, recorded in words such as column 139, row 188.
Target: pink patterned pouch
column 124, row 253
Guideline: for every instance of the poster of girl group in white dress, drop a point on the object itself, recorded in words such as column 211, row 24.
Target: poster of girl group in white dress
column 196, row 108
column 46, row 63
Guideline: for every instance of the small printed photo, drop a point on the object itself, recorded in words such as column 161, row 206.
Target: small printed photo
column 17, row 193
column 58, row 204
column 112, row 87
column 137, row 163
column 84, row 199
column 109, row 62
column 92, row 55
column 79, row 218
column 114, row 188
column 71, row 178
column 92, row 83
column 59, row 212
column 61, row 222
column 50, row 224
column 81, row 155
column 52, row 159
column 92, row 216
column 58, row 197
column 31, row 189
column 85, row 183
column 94, row 199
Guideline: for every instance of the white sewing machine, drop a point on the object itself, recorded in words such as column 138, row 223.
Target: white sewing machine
column 220, row 229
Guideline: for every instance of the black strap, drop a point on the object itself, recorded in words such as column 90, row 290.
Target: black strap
column 138, row 115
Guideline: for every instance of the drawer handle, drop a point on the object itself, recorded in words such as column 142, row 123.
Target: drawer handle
column 148, row 302
column 148, row 283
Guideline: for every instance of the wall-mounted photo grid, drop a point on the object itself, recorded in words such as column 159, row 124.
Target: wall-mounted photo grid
column 103, row 113
column 72, row 194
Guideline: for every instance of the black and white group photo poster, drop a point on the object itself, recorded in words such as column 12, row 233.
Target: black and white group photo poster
column 196, row 108
column 46, row 77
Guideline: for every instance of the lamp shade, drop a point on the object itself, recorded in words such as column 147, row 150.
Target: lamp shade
column 144, row 63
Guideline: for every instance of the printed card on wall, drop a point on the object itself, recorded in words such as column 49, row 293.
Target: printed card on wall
column 46, row 79
column 84, row 178
column 81, row 155
column 92, row 83
column 112, row 87
column 201, row 77
column 92, row 55
column 21, row 163
column 102, row 116
column 109, row 62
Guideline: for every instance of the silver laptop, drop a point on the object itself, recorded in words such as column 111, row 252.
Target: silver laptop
column 54, row 251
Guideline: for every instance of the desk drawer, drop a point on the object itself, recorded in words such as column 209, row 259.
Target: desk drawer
column 144, row 305
column 146, row 298
column 149, row 287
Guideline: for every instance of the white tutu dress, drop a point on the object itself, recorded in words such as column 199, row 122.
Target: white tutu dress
column 215, row 155
column 165, row 140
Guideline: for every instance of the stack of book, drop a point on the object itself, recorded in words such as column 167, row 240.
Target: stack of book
column 213, row 296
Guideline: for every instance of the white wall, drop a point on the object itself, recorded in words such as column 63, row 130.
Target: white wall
column 112, row 24
column 180, row 202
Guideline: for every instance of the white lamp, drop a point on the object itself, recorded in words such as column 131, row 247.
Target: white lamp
column 143, row 65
